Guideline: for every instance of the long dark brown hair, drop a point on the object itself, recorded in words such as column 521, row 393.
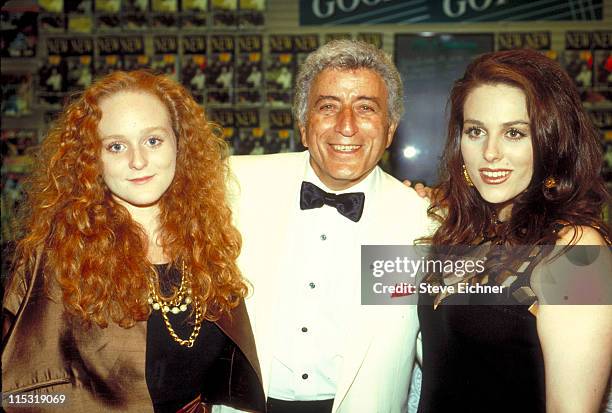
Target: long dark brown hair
column 565, row 144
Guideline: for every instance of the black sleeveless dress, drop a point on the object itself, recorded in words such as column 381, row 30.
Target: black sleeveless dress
column 481, row 357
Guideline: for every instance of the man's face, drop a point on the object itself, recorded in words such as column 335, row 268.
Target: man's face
column 347, row 125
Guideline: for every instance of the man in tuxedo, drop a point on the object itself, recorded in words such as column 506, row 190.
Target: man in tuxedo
column 303, row 219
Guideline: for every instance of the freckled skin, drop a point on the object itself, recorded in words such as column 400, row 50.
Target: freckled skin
column 346, row 108
column 137, row 142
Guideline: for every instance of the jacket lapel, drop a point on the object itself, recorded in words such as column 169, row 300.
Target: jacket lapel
column 364, row 319
column 263, row 216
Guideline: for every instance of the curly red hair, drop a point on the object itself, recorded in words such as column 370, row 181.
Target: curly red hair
column 90, row 243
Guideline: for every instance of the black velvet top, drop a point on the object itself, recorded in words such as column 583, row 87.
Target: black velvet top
column 175, row 374
column 480, row 358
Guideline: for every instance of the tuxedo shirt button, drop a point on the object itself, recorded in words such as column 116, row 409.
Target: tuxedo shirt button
column 304, row 376
column 323, row 237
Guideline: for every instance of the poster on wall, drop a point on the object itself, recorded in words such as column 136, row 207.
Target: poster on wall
column 251, row 14
column 220, row 70
column 587, row 60
column 249, row 69
column 333, row 13
column 19, row 33
column 280, row 70
column 193, row 66
column 429, row 64
column 165, row 56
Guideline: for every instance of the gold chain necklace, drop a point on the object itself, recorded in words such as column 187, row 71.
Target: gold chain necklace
column 177, row 305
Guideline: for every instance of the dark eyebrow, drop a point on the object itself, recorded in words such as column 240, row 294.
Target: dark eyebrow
column 505, row 124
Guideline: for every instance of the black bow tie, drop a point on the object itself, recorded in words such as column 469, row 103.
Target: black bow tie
column 350, row 205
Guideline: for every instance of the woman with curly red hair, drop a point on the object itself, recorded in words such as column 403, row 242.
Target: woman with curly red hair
column 125, row 294
column 521, row 188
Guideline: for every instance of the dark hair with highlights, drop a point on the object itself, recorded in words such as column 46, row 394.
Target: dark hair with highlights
column 565, row 144
column 91, row 245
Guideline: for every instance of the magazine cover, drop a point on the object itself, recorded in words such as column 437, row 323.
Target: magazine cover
column 79, row 63
column 135, row 15
column 303, row 45
column 107, row 15
column 79, row 23
column 193, row 21
column 19, row 33
column 52, row 6
column 577, row 59
column 251, row 14
column 135, row 22
column 193, row 66
column 109, row 55
column 280, row 135
column 249, row 79
column 52, row 22
column 16, row 94
column 164, row 15
column 164, row 21
column 108, row 22
column 220, row 70
column 136, row 62
column 279, row 141
column 194, row 5
column 108, row 6
column 80, row 72
column 132, row 50
column 78, row 6
column 224, row 14
column 250, row 133
column 135, row 6
column 245, row 143
column 52, row 81
column 193, row 15
column 193, row 76
column 108, row 64
column 280, row 71
column 165, row 58
column 16, row 147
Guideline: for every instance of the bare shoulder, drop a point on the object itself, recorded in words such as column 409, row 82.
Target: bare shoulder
column 580, row 235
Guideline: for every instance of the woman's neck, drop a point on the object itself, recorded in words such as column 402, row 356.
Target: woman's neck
column 504, row 212
column 148, row 219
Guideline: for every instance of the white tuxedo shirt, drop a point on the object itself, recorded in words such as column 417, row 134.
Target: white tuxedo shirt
column 378, row 353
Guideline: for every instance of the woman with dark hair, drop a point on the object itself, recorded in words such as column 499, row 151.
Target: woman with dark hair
column 521, row 169
column 125, row 294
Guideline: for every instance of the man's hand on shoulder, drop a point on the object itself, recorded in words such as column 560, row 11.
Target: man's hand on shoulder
column 422, row 190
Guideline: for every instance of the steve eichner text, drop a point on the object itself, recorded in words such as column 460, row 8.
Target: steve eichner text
column 411, row 267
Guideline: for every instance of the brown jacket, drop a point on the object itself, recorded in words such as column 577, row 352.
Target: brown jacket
column 48, row 352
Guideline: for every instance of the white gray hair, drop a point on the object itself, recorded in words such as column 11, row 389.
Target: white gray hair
column 348, row 55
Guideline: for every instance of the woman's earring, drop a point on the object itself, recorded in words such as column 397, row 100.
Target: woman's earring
column 550, row 182
column 467, row 177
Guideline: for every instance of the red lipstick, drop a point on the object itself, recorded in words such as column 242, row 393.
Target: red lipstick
column 494, row 176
